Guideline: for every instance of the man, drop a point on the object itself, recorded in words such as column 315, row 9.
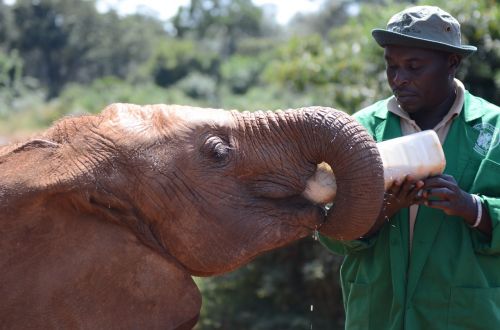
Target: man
column 432, row 260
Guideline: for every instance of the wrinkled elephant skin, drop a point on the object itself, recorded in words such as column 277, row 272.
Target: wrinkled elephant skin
column 105, row 218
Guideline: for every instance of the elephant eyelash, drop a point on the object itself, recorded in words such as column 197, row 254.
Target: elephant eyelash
column 216, row 149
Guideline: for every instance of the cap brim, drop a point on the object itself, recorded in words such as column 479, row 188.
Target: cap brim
column 384, row 38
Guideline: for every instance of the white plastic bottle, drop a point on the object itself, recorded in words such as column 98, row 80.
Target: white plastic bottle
column 419, row 155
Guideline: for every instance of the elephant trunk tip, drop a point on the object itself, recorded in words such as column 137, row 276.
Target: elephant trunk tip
column 321, row 187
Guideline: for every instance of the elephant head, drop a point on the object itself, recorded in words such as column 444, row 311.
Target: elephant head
column 144, row 197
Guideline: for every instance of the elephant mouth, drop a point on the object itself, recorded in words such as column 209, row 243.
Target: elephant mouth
column 306, row 215
column 299, row 201
column 321, row 187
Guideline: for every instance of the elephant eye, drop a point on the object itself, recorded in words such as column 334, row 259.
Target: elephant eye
column 216, row 149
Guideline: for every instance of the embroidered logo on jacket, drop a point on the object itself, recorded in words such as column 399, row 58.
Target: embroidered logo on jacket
column 488, row 138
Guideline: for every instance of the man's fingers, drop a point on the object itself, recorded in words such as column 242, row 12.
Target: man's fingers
column 438, row 204
column 394, row 188
column 448, row 177
column 441, row 193
column 437, row 182
column 411, row 188
column 443, row 180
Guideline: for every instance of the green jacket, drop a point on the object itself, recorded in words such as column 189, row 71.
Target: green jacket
column 451, row 280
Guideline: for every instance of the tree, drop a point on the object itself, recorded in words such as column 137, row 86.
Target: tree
column 121, row 46
column 480, row 23
column 331, row 14
column 45, row 38
column 65, row 41
column 7, row 27
column 173, row 59
column 222, row 22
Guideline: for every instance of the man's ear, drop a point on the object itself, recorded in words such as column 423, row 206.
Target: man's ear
column 454, row 61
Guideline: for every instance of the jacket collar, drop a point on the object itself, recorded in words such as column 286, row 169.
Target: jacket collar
column 472, row 108
column 389, row 127
column 382, row 111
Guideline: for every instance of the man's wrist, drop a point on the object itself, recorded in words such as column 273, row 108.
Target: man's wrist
column 479, row 211
column 470, row 213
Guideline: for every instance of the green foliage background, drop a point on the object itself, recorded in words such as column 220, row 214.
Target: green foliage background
column 62, row 57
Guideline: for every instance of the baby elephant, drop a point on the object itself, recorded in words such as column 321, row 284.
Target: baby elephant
column 104, row 218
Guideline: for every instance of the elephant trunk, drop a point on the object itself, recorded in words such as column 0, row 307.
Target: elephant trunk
column 337, row 139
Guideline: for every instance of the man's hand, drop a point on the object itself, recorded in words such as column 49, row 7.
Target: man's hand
column 402, row 194
column 442, row 192
column 399, row 195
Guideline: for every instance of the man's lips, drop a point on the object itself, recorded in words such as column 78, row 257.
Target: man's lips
column 399, row 92
column 404, row 95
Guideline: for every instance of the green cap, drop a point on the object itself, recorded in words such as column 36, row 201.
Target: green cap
column 427, row 27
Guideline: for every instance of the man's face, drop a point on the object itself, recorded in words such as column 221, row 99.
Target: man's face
column 419, row 78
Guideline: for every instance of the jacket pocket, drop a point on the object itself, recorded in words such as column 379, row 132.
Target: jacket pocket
column 358, row 307
column 474, row 308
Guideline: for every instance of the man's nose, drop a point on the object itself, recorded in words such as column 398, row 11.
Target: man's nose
column 400, row 78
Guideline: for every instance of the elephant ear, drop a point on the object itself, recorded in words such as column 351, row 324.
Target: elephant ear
column 29, row 145
column 73, row 152
column 31, row 164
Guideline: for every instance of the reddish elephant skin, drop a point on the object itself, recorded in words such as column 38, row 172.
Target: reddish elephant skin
column 103, row 219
